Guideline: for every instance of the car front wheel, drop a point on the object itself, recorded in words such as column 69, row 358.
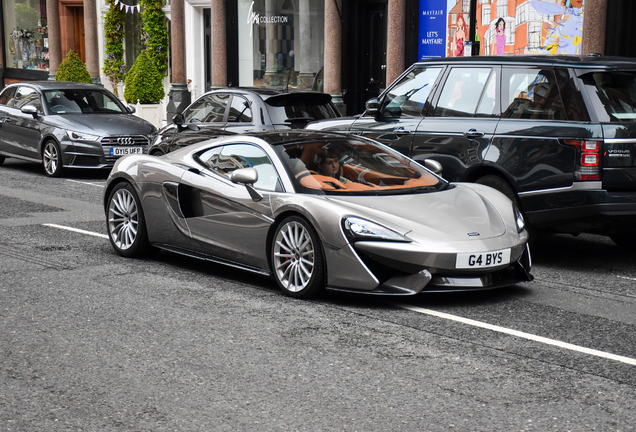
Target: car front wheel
column 52, row 159
column 297, row 260
column 126, row 223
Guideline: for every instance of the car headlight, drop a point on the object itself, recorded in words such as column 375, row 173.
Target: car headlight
column 79, row 136
column 361, row 229
column 521, row 223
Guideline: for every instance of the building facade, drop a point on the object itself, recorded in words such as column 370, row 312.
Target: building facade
column 348, row 48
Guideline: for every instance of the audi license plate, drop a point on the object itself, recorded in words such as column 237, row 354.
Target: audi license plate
column 482, row 259
column 122, row 151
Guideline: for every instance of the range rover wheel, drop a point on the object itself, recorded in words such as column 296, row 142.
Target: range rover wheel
column 126, row 223
column 296, row 259
column 52, row 159
column 501, row 185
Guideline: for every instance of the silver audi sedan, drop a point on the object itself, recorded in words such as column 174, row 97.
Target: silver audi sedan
column 67, row 125
column 315, row 211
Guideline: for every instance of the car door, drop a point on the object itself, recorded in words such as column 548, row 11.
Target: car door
column 21, row 131
column 461, row 121
column 6, row 108
column 206, row 117
column 529, row 142
column 221, row 215
column 401, row 109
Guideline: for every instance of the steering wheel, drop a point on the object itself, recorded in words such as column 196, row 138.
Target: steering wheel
column 361, row 179
column 56, row 108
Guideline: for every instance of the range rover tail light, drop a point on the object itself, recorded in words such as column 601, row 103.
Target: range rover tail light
column 589, row 162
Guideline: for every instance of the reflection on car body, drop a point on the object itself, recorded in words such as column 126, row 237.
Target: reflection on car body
column 381, row 223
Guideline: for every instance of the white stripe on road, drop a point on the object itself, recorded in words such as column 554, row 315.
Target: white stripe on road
column 86, row 183
column 516, row 333
column 625, row 277
column 77, row 230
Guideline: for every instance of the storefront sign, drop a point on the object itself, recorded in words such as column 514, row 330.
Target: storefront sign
column 254, row 18
column 432, row 37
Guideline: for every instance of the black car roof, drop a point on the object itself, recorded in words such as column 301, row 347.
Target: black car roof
column 594, row 61
column 298, row 136
column 268, row 92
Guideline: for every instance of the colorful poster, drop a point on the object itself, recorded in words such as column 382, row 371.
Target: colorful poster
column 529, row 26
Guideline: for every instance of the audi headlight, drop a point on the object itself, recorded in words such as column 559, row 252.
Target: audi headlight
column 361, row 229
column 79, row 136
column 521, row 223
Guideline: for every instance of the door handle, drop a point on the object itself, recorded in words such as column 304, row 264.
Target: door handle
column 401, row 131
column 473, row 133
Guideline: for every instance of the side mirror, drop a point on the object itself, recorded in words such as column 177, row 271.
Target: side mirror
column 372, row 107
column 434, row 166
column 131, row 109
column 178, row 119
column 30, row 109
column 244, row 175
column 247, row 176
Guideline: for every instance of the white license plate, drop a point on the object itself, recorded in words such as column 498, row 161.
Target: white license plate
column 122, row 151
column 482, row 259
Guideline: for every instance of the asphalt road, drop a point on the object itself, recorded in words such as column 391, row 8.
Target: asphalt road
column 90, row 341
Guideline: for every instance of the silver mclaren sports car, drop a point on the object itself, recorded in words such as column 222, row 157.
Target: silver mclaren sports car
column 317, row 211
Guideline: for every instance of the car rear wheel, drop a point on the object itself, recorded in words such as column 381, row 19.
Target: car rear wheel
column 501, row 185
column 52, row 159
column 297, row 259
column 1, row 160
column 126, row 224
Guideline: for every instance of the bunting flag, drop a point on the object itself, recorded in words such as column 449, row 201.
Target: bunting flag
column 129, row 9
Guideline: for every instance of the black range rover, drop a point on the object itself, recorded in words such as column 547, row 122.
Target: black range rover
column 555, row 134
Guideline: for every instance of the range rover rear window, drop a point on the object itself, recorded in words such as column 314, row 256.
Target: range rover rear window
column 616, row 92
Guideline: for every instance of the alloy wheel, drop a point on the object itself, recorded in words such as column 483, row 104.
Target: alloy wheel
column 294, row 256
column 123, row 219
column 51, row 159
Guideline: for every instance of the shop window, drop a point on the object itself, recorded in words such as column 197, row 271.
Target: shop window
column 25, row 34
column 281, row 43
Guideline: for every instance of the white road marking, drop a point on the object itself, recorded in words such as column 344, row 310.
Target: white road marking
column 86, row 183
column 520, row 334
column 625, row 277
column 77, row 230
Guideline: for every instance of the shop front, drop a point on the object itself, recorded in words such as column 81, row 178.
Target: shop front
column 25, row 42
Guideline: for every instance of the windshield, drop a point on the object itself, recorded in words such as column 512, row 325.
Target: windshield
column 616, row 93
column 295, row 110
column 79, row 101
column 353, row 166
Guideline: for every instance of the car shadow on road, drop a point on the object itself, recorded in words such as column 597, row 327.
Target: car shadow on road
column 582, row 252
column 37, row 169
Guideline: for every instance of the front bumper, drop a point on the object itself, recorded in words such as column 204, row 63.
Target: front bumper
column 97, row 155
column 375, row 274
